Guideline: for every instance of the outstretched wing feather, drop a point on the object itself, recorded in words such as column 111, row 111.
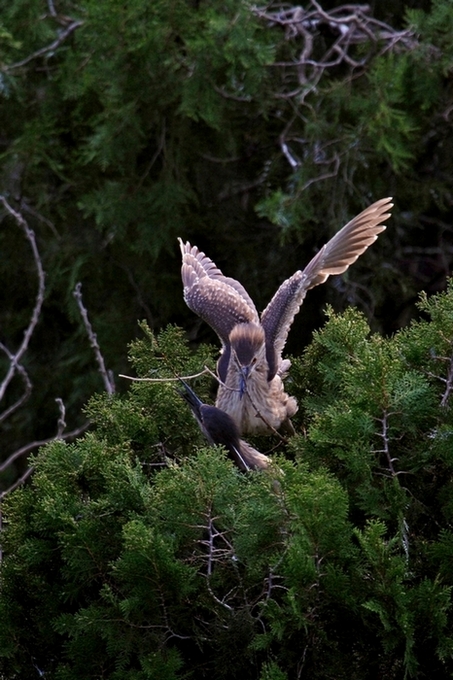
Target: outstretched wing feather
column 200, row 266
column 334, row 258
column 218, row 304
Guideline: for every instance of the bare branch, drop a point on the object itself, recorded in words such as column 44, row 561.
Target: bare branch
column 449, row 384
column 228, row 95
column 61, row 420
column 51, row 7
column 17, row 483
column 384, row 434
column 31, row 446
column 106, row 376
column 44, row 50
column 288, row 155
column 15, row 358
column 27, row 386
column 325, row 175
column 448, row 381
column 16, row 367
column 350, row 25
column 182, row 377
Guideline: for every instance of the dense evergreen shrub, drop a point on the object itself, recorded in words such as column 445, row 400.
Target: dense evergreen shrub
column 137, row 552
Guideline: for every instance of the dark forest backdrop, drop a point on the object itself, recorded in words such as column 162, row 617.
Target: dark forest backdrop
column 125, row 125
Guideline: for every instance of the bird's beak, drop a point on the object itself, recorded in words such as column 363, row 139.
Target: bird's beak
column 194, row 402
column 245, row 371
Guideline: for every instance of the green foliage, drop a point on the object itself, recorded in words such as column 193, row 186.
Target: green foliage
column 137, row 552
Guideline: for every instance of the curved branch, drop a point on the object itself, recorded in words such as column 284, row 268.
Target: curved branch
column 27, row 386
column 60, row 434
column 15, row 358
column 350, row 25
column 44, row 50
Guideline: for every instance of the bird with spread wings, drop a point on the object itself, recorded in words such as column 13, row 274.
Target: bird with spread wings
column 251, row 369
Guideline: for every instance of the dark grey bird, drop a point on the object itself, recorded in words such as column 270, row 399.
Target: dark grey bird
column 219, row 428
column 251, row 368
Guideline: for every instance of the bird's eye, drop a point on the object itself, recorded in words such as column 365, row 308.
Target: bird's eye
column 254, row 360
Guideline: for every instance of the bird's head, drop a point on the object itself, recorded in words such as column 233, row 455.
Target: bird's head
column 248, row 349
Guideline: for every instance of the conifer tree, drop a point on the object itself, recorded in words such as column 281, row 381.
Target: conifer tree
column 138, row 552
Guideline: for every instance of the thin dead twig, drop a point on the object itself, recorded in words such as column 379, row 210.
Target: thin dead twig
column 176, row 379
column 44, row 50
column 27, row 386
column 16, row 357
column 106, row 375
column 350, row 24
column 31, row 446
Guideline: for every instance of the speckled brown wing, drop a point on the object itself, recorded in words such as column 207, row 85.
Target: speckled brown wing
column 333, row 258
column 219, row 300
